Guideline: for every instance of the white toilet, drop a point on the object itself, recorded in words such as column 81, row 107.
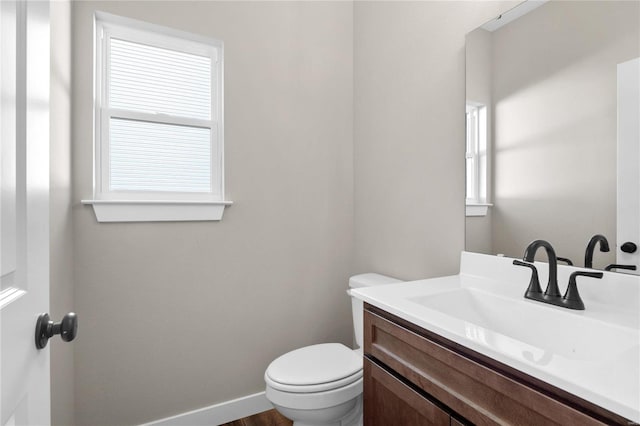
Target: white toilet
column 322, row 384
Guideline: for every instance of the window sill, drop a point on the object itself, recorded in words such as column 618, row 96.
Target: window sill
column 157, row 211
column 477, row 209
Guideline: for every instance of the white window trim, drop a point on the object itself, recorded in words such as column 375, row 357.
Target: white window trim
column 156, row 211
column 479, row 205
column 477, row 209
column 134, row 206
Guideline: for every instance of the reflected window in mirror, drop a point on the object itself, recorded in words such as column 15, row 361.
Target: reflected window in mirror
column 476, row 159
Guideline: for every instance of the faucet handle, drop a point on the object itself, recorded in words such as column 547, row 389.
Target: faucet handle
column 571, row 298
column 534, row 283
column 616, row 266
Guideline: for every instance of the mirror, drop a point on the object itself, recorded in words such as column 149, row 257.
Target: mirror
column 542, row 126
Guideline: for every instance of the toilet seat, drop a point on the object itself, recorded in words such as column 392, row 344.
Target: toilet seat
column 316, row 368
column 315, row 400
column 321, row 387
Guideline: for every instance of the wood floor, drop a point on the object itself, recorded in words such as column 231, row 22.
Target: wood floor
column 268, row 418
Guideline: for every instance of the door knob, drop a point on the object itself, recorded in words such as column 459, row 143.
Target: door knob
column 629, row 247
column 46, row 329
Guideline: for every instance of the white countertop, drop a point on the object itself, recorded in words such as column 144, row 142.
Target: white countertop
column 594, row 354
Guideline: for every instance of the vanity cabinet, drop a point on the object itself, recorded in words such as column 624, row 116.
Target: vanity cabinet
column 389, row 401
column 415, row 377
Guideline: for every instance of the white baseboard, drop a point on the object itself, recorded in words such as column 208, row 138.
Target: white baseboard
column 220, row 413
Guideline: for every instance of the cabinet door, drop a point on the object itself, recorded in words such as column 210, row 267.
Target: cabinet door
column 389, row 402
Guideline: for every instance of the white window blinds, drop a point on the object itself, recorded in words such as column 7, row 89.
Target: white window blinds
column 147, row 156
column 154, row 80
column 160, row 116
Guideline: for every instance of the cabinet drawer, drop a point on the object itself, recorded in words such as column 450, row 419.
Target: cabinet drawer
column 478, row 393
column 388, row 401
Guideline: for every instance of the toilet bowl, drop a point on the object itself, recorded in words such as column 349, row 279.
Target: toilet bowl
column 322, row 384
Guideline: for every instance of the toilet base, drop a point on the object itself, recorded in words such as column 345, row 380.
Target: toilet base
column 347, row 414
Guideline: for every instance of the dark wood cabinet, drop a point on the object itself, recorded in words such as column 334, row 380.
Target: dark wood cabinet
column 415, row 377
column 390, row 402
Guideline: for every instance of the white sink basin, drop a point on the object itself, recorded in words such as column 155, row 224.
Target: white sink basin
column 594, row 354
column 537, row 331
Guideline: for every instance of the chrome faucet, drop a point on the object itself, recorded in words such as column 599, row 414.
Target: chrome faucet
column 571, row 298
column 591, row 246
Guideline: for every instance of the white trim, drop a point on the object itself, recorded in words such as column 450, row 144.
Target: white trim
column 142, row 26
column 157, row 211
column 167, row 197
column 159, row 118
column 477, row 150
column 477, row 209
column 220, row 413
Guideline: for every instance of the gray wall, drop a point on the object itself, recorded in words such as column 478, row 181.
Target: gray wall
column 554, row 94
column 409, row 133
column 61, row 238
column 177, row 316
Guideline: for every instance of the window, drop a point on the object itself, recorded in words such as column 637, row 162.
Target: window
column 476, row 160
column 158, row 105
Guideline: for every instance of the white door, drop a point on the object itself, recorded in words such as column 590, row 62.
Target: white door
column 24, row 210
column 628, row 220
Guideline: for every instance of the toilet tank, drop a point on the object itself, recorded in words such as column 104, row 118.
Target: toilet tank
column 357, row 306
